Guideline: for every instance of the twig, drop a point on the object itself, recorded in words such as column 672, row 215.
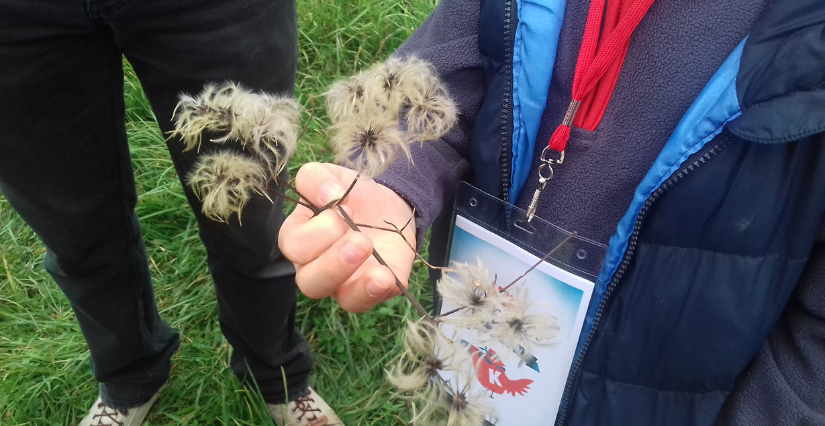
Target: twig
column 542, row 260
column 400, row 232
column 535, row 265
column 311, row 117
column 375, row 254
column 309, row 204
column 407, row 401
column 448, row 313
column 346, row 193
column 317, row 210
column 288, row 198
column 409, row 221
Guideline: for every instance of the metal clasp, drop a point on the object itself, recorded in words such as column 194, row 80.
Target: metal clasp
column 545, row 157
column 545, row 174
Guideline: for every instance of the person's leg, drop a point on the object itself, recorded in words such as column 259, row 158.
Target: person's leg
column 177, row 47
column 65, row 168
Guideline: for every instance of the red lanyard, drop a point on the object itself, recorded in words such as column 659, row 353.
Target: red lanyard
column 597, row 70
column 596, row 60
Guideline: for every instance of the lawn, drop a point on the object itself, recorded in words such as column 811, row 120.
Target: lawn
column 44, row 364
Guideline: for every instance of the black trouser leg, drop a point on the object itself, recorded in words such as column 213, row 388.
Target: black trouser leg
column 65, row 168
column 178, row 47
column 64, row 160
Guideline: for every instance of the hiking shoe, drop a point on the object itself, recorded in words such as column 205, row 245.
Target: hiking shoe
column 100, row 414
column 308, row 410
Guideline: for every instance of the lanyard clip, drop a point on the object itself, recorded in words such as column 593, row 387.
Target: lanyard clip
column 545, row 174
column 545, row 157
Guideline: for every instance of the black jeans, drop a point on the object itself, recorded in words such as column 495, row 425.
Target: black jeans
column 65, row 167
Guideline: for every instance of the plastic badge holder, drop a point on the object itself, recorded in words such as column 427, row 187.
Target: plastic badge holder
column 525, row 393
column 579, row 255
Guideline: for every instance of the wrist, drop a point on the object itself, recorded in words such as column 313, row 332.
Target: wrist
column 405, row 210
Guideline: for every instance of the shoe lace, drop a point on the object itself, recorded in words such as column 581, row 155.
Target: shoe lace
column 303, row 404
column 114, row 415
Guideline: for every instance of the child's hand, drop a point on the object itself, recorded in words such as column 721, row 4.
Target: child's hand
column 333, row 260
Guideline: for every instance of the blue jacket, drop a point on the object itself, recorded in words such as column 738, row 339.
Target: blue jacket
column 706, row 178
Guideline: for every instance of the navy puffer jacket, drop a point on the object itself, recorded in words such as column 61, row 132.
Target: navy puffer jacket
column 706, row 179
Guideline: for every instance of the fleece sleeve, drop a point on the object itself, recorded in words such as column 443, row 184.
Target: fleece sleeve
column 448, row 39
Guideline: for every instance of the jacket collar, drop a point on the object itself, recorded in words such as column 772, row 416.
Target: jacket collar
column 781, row 80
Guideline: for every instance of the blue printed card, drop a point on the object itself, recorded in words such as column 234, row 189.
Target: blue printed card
column 522, row 394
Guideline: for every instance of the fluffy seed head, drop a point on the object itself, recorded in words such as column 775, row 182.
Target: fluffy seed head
column 429, row 405
column 369, row 147
column 418, row 376
column 520, row 327
column 384, row 89
column 367, row 111
column 430, row 352
column 265, row 125
column 402, row 80
column 225, row 182
column 470, row 287
column 388, row 88
column 211, row 110
column 464, row 407
column 359, row 96
column 431, row 114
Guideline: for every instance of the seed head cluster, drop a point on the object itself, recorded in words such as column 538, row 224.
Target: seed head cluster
column 377, row 113
column 418, row 378
column 495, row 316
column 254, row 134
column 225, row 182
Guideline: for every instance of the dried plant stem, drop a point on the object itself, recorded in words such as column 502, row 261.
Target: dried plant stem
column 540, row 261
column 400, row 231
column 270, row 191
column 406, row 401
column 304, row 201
column 377, row 256
column 337, row 203
column 396, row 230
column 535, row 265
column 311, row 117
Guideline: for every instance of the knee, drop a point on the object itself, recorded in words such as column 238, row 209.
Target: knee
column 250, row 249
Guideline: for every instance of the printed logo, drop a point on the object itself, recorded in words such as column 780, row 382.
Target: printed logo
column 492, row 374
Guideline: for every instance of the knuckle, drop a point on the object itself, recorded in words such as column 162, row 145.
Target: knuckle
column 308, row 285
column 331, row 223
column 338, row 225
column 293, row 250
column 349, row 305
column 333, row 271
column 285, row 245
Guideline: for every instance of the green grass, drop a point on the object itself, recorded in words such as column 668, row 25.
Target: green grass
column 44, row 364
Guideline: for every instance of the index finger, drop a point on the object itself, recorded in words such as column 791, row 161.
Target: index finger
column 304, row 236
column 311, row 178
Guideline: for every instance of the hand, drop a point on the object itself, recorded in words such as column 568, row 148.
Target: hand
column 333, row 260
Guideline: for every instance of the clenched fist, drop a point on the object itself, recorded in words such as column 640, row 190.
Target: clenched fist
column 333, row 260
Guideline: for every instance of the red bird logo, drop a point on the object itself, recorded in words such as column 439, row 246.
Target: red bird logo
column 491, row 374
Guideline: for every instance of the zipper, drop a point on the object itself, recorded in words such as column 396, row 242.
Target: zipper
column 701, row 158
column 505, row 159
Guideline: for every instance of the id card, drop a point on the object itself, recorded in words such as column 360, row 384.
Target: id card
column 523, row 393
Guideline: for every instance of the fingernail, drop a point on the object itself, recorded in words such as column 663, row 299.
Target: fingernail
column 353, row 253
column 329, row 191
column 377, row 289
